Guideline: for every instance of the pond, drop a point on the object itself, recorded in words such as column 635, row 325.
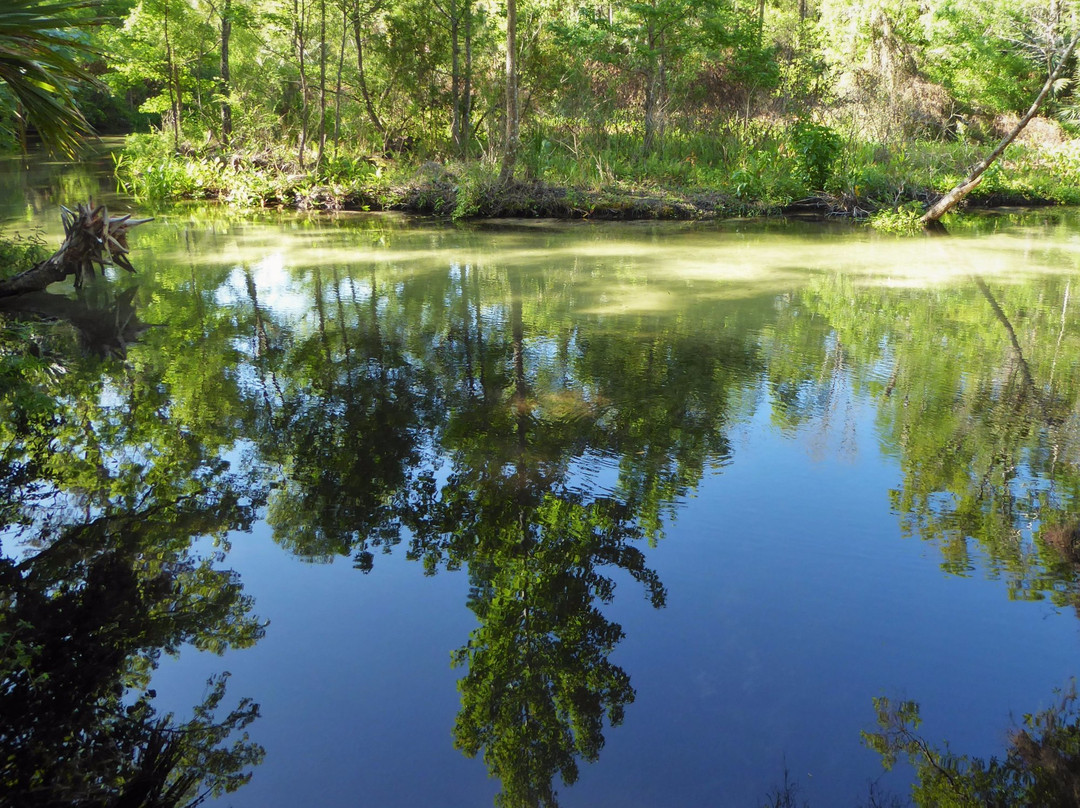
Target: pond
column 634, row 514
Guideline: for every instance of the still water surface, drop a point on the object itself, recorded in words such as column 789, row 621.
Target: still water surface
column 655, row 509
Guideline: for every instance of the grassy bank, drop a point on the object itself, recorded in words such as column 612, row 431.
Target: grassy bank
column 749, row 170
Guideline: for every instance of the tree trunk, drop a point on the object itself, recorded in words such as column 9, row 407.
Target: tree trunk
column 226, row 78
column 299, row 34
column 340, row 68
column 655, row 88
column 466, row 105
column 950, row 200
column 322, row 83
column 513, row 123
column 655, row 107
column 361, row 78
column 458, row 14
column 173, row 82
column 454, row 22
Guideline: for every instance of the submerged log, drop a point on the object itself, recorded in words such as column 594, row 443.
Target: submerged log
column 91, row 237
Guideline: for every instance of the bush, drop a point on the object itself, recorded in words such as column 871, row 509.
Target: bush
column 817, row 148
column 20, row 252
column 902, row 220
column 475, row 188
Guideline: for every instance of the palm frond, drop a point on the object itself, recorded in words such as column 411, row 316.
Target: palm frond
column 40, row 43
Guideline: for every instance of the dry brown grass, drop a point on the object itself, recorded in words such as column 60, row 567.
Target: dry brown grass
column 1064, row 540
column 1040, row 132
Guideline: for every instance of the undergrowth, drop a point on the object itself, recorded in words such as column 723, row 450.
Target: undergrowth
column 20, row 251
column 734, row 170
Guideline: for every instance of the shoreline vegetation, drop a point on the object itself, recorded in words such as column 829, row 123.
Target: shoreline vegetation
column 759, row 171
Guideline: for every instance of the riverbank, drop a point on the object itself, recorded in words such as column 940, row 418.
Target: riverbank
column 772, row 178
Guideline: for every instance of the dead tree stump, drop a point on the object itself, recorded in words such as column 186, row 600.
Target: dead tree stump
column 91, row 237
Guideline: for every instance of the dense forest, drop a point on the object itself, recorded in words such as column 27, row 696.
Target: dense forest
column 663, row 108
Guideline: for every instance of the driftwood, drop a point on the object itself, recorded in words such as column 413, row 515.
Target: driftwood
column 91, row 237
column 951, row 199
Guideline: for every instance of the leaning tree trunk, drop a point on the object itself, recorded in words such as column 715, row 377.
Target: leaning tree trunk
column 950, row 200
column 91, row 237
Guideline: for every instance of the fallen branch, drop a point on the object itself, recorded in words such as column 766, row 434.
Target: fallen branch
column 91, row 237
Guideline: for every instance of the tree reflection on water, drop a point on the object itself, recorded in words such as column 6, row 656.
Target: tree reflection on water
column 464, row 411
column 102, row 505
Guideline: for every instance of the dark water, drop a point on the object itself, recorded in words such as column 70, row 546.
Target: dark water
column 659, row 510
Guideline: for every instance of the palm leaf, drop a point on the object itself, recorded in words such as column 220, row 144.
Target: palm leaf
column 39, row 45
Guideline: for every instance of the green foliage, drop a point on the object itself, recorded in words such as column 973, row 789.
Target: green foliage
column 148, row 170
column 817, row 148
column 19, row 252
column 475, row 188
column 901, row 220
column 710, row 101
column 40, row 45
column 978, row 58
column 1039, row 768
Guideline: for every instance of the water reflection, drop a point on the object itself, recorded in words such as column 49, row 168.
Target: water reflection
column 103, row 324
column 976, row 393
column 531, row 408
column 102, row 499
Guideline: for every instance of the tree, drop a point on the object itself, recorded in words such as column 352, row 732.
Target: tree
column 225, row 16
column 641, row 40
column 951, row 199
column 460, row 17
column 163, row 44
column 512, row 133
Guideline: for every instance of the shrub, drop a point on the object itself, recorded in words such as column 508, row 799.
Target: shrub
column 817, row 148
column 20, row 252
